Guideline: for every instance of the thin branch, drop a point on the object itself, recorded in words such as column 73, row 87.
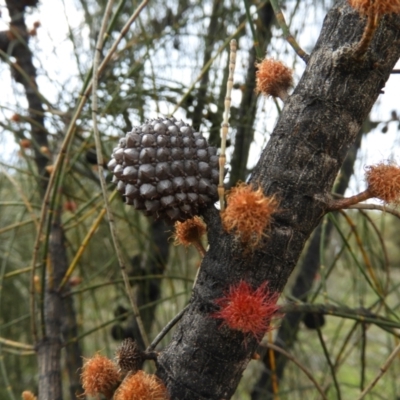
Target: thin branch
column 301, row 366
column 382, row 371
column 225, row 123
column 100, row 162
column 376, row 207
column 166, row 329
column 328, row 359
column 286, row 32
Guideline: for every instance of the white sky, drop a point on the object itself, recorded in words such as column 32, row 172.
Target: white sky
column 54, row 51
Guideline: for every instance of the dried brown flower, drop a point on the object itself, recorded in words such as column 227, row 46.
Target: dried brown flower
column 129, row 357
column 273, row 78
column 384, row 182
column 190, row 231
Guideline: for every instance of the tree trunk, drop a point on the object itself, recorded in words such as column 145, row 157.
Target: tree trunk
column 318, row 124
column 289, row 327
column 59, row 314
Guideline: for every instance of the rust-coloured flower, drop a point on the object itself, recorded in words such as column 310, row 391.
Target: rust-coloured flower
column 28, row 395
column 384, row 182
column 70, row 206
column 248, row 310
column 248, row 214
column 100, row 376
column 141, row 386
column 25, row 143
column 190, row 231
column 273, row 78
column 381, row 7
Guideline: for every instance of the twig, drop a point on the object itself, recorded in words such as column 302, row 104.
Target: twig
column 302, row 367
column 225, row 124
column 328, row 359
column 166, row 329
column 357, row 314
column 382, row 371
column 375, row 207
column 17, row 345
column 100, row 162
column 286, row 32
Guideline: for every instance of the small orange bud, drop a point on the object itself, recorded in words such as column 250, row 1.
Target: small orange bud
column 384, row 182
column 248, row 214
column 50, row 169
column 15, row 118
column 28, row 395
column 45, row 150
column 75, row 281
column 141, row 386
column 25, row 143
column 189, row 231
column 37, row 284
column 247, row 310
column 99, row 376
column 255, row 356
column 273, row 78
column 70, row 206
column 381, row 7
column 37, row 24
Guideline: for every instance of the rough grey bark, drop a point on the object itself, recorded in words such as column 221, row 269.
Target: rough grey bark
column 318, row 124
column 289, row 327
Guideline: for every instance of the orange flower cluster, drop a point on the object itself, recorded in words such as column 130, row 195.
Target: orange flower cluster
column 273, row 78
column 247, row 310
column 384, row 182
column 141, row 386
column 381, row 7
column 248, row 214
column 100, row 376
column 190, row 231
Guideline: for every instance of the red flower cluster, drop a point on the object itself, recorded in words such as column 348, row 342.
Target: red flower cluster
column 247, row 310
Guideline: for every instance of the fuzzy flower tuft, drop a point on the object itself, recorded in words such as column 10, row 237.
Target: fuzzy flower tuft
column 273, row 78
column 384, row 182
column 190, row 231
column 28, row 395
column 381, row 7
column 248, row 214
column 247, row 310
column 141, row 386
column 100, row 376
